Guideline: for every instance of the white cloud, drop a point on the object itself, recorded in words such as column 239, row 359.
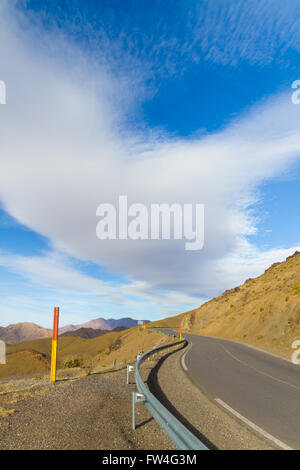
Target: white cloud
column 55, row 271
column 52, row 278
column 65, row 148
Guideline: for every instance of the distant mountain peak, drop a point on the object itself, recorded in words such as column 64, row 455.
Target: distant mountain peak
column 26, row 331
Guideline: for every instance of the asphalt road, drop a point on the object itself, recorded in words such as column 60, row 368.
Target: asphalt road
column 258, row 388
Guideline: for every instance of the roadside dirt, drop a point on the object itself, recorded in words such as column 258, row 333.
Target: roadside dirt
column 91, row 412
column 94, row 411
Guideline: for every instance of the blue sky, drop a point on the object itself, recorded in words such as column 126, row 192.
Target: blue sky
column 182, row 101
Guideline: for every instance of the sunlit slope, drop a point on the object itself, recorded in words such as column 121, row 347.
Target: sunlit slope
column 171, row 322
column 264, row 311
column 24, row 362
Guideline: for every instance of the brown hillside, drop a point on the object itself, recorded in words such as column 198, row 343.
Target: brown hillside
column 23, row 332
column 170, row 322
column 34, row 356
column 86, row 333
column 264, row 311
column 26, row 331
column 24, row 362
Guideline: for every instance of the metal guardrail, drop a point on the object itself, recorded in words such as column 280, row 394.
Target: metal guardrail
column 177, row 432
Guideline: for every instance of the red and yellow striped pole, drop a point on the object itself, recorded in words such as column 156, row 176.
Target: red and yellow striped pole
column 54, row 345
column 144, row 325
column 180, row 335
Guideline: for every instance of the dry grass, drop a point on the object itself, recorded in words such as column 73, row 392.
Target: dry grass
column 4, row 413
column 14, row 390
column 171, row 322
column 33, row 357
column 125, row 350
column 99, row 354
column 24, row 362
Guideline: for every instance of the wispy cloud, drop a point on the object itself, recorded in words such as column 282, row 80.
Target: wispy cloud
column 246, row 30
column 164, row 40
column 53, row 278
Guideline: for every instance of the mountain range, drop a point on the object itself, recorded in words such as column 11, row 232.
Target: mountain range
column 26, row 331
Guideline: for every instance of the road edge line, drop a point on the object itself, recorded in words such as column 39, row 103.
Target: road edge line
column 253, row 426
column 184, row 366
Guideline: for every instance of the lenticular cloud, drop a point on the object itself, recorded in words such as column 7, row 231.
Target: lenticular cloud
column 66, row 148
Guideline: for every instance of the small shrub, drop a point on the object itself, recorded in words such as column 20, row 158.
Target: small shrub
column 297, row 291
column 261, row 309
column 71, row 363
column 287, row 298
column 116, row 345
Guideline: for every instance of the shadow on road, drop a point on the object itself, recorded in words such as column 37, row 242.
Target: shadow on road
column 155, row 388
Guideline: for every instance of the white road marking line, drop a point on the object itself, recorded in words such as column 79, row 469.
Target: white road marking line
column 253, row 426
column 259, row 371
column 183, row 357
column 234, row 357
column 183, row 363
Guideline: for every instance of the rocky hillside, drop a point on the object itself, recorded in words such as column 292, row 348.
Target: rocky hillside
column 26, row 331
column 102, row 324
column 264, row 311
column 23, row 332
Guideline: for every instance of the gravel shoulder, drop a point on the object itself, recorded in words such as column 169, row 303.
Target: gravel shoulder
column 91, row 412
column 211, row 424
column 94, row 412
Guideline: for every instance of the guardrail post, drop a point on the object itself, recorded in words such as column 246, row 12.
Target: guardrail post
column 129, row 369
column 136, row 398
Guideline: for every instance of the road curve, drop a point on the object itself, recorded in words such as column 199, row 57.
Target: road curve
column 258, row 388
